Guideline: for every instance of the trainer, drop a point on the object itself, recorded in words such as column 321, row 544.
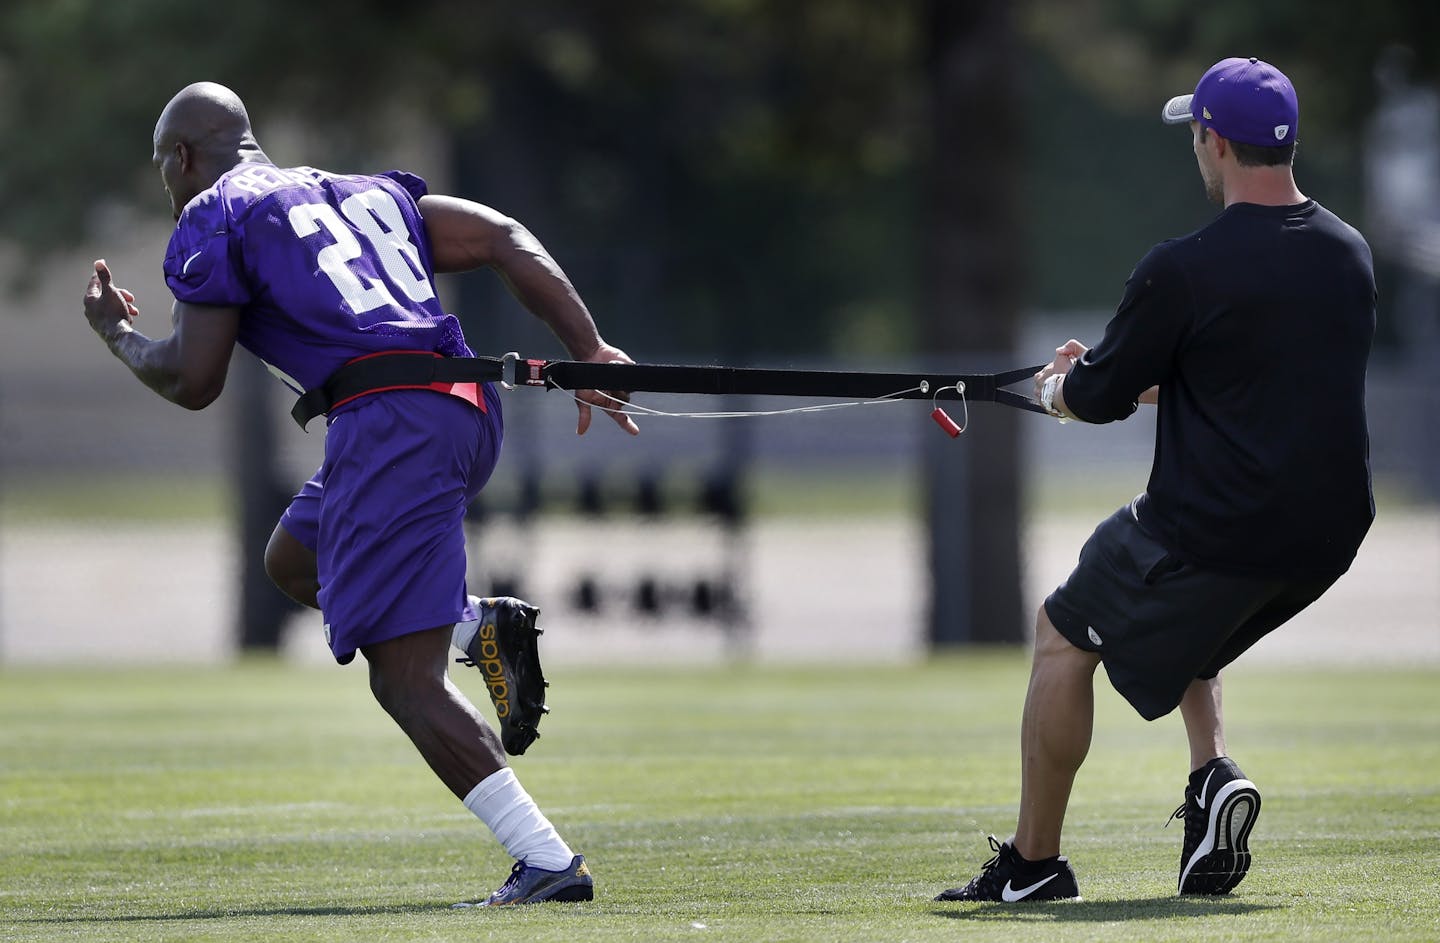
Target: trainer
column 1251, row 337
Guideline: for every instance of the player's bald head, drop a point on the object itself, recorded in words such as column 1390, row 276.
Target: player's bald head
column 204, row 113
column 202, row 132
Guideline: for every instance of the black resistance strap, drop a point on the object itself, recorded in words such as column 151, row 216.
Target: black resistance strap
column 407, row 370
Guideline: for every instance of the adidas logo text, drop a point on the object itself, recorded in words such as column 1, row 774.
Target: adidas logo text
column 492, row 670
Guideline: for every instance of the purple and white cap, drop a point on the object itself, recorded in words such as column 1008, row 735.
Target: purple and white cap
column 1244, row 100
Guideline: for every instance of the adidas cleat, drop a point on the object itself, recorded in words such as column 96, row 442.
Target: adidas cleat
column 505, row 650
column 527, row 885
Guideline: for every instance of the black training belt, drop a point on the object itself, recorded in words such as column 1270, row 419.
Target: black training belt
column 392, row 370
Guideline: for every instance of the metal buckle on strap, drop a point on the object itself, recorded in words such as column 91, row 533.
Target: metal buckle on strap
column 507, row 370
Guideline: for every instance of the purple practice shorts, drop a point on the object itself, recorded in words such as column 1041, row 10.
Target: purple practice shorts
column 385, row 512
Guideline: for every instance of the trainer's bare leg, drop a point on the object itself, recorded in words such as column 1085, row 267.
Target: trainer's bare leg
column 291, row 566
column 409, row 677
column 1054, row 737
column 1204, row 721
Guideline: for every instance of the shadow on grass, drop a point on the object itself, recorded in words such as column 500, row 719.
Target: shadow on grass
column 230, row 913
column 1102, row 911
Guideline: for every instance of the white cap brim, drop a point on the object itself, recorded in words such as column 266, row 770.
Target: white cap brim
column 1177, row 110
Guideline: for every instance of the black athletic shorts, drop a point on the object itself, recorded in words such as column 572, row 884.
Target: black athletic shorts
column 1158, row 623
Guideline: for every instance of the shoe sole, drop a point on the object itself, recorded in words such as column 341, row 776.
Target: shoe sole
column 570, row 895
column 519, row 643
column 515, row 642
column 573, row 894
column 1222, row 859
column 954, row 897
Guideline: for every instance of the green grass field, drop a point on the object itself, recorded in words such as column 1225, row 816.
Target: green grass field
column 273, row 802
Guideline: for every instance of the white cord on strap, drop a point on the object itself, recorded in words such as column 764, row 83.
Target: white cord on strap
column 632, row 409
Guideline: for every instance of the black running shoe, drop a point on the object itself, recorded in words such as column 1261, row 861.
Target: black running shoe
column 1220, row 808
column 1010, row 878
column 506, row 652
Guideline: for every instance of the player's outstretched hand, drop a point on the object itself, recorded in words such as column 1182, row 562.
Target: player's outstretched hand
column 108, row 308
column 611, row 401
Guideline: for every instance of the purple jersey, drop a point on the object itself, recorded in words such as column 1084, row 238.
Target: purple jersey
column 325, row 267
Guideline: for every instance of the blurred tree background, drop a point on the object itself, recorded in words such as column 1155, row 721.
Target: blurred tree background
column 728, row 180
column 774, row 146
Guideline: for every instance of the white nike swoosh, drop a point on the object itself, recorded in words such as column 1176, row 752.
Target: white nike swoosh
column 1010, row 896
column 186, row 267
column 1200, row 796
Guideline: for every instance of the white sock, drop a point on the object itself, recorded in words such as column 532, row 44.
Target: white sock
column 465, row 632
column 503, row 804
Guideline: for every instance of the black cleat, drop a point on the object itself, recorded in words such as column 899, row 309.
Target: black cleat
column 506, row 652
column 1010, row 878
column 527, row 885
column 1220, row 808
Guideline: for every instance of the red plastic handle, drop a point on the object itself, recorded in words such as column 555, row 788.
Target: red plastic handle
column 943, row 420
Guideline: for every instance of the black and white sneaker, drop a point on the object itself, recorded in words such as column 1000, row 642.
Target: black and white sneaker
column 1010, row 878
column 1220, row 809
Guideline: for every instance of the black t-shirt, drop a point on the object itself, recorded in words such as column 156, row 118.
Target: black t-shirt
column 1257, row 330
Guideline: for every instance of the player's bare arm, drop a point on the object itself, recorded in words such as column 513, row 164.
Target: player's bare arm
column 188, row 368
column 466, row 235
